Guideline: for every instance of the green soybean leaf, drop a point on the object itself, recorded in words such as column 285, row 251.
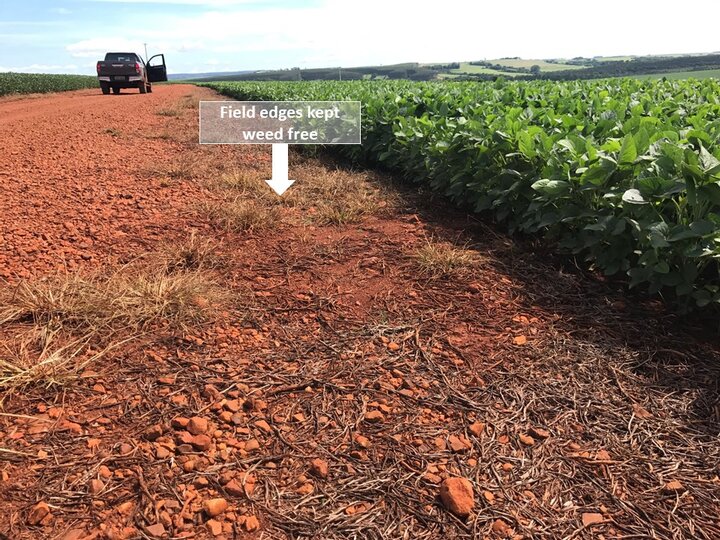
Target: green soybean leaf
column 628, row 152
column 553, row 188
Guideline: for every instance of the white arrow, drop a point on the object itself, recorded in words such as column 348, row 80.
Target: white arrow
column 280, row 181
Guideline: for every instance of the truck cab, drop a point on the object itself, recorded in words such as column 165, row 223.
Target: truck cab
column 128, row 70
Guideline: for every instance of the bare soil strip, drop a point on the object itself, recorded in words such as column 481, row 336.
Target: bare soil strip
column 184, row 355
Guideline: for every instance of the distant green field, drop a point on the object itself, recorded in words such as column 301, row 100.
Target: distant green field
column 677, row 75
column 466, row 67
column 31, row 83
column 613, row 58
column 528, row 63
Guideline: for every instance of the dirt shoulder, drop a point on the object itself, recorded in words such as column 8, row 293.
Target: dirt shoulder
column 205, row 360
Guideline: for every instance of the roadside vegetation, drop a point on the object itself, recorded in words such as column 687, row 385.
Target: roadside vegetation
column 32, row 83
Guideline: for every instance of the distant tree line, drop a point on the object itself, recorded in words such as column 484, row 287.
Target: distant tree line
column 637, row 66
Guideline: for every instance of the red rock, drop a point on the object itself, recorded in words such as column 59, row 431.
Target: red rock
column 125, row 449
column 234, row 488
column 641, row 412
column 162, row 451
column 459, row 444
column 197, row 425
column 249, row 481
column 477, row 428
column 71, row 426
column 96, row 486
column 126, row 507
column 201, row 442
column 540, row 433
column 457, row 495
column 374, row 417
column 362, row 441
column 590, row 518
column 319, row 468
column 233, row 405
column 527, row 440
column 184, row 437
column 263, row 426
column 674, row 486
column 432, row 478
column 156, row 530
column 500, row 527
column 251, row 523
column 154, row 432
column 214, row 527
column 252, row 445
column 38, row 512
column 179, row 422
column 602, row 455
column 215, row 507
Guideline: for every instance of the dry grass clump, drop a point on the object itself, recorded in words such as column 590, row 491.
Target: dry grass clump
column 125, row 300
column 236, row 215
column 193, row 253
column 441, row 259
column 169, row 112
column 183, row 168
column 33, row 359
column 249, row 183
column 53, row 327
column 189, row 102
column 335, row 197
column 186, row 167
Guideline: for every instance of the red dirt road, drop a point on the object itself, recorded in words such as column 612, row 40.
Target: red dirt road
column 76, row 178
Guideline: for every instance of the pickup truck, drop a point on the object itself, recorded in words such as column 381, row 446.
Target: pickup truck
column 129, row 70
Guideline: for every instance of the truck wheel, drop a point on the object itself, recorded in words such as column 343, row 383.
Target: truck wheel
column 116, row 89
column 105, row 88
column 142, row 87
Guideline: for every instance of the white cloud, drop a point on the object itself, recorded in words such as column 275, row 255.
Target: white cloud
column 96, row 48
column 60, row 11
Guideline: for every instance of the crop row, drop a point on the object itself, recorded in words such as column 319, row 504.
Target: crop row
column 623, row 173
column 30, row 83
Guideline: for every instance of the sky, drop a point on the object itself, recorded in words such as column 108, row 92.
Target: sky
column 69, row 36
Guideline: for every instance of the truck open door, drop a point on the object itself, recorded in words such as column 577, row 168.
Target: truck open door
column 156, row 70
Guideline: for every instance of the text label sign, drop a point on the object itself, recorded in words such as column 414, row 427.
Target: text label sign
column 280, row 122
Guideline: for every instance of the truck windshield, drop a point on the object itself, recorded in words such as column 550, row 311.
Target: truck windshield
column 120, row 57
